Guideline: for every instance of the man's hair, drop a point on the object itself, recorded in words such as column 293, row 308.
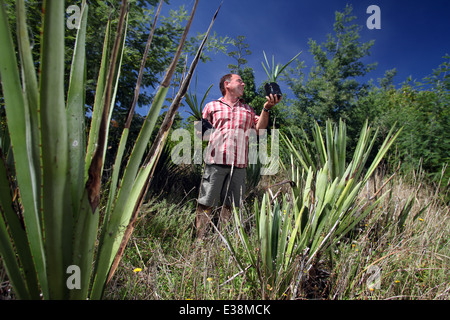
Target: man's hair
column 227, row 78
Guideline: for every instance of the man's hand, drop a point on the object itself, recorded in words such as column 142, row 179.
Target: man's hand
column 272, row 100
column 263, row 121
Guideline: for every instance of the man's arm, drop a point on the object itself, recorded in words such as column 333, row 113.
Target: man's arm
column 264, row 117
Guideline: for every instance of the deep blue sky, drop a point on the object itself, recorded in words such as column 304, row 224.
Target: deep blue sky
column 414, row 35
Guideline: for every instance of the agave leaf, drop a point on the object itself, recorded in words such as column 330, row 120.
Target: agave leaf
column 405, row 212
column 320, row 145
column 352, row 220
column 269, row 74
column 262, row 228
column 86, row 223
column 289, row 62
column 391, row 137
column 274, row 236
column 99, row 101
column 76, row 113
column 124, row 137
column 277, row 69
column 294, row 151
column 206, row 94
column 18, row 240
column 302, row 218
column 30, row 89
column 342, row 138
column 55, row 155
column 30, row 85
column 85, row 233
column 20, row 134
column 273, row 69
column 194, row 105
column 287, row 217
column 244, row 238
column 12, row 268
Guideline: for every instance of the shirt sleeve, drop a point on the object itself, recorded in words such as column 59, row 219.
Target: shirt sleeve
column 256, row 120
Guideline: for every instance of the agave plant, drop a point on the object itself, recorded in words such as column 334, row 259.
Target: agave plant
column 50, row 239
column 323, row 208
column 337, row 183
column 196, row 107
column 273, row 72
column 268, row 253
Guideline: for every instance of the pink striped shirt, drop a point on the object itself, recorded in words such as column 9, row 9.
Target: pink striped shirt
column 228, row 143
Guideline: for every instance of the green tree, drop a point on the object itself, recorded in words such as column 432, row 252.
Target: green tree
column 250, row 92
column 422, row 109
column 331, row 89
column 242, row 50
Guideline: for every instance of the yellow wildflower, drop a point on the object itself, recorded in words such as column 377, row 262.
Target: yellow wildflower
column 209, row 279
column 137, row 270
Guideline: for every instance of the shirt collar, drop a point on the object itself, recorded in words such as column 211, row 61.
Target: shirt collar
column 238, row 103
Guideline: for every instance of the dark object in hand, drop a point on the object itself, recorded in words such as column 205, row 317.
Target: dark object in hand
column 273, row 88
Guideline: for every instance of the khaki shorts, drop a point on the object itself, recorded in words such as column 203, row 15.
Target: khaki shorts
column 216, row 182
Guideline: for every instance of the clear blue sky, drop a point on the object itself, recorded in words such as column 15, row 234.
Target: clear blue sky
column 414, row 35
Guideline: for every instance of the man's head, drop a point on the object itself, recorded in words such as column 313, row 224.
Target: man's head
column 233, row 84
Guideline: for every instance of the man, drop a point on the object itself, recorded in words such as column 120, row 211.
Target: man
column 227, row 154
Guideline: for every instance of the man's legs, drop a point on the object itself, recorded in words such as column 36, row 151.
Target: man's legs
column 219, row 183
column 209, row 197
column 202, row 220
column 232, row 193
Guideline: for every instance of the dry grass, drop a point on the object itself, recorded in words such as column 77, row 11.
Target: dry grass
column 173, row 264
column 411, row 260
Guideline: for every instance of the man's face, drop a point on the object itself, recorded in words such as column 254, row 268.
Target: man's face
column 236, row 85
